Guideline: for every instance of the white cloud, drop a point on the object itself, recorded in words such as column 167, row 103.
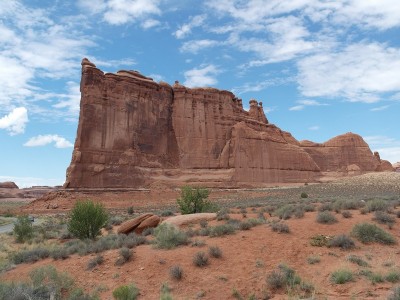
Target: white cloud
column 197, row 45
column 361, row 72
column 391, row 154
column 313, row 128
column 150, row 23
column 204, row 76
column 186, row 29
column 119, row 12
column 15, row 121
column 388, row 147
column 380, row 108
column 43, row 140
column 71, row 100
column 304, row 103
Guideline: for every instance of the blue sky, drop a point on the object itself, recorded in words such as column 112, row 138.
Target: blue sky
column 320, row 67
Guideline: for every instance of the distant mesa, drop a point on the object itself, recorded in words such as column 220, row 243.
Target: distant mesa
column 8, row 185
column 134, row 132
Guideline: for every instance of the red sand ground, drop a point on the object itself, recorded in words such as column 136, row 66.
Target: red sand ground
column 238, row 268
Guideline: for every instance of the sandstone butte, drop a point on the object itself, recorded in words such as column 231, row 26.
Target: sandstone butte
column 134, row 132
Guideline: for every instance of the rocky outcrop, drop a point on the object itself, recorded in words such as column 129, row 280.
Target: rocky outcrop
column 396, row 167
column 133, row 132
column 188, row 219
column 139, row 224
column 8, row 185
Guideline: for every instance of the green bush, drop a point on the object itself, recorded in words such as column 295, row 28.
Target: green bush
column 341, row 276
column 393, row 276
column 86, row 219
column 167, row 236
column 194, row 200
column 126, row 292
column 200, row 259
column 357, row 260
column 376, row 205
column 325, row 217
column 303, row 195
column 342, row 241
column 370, row 233
column 284, row 276
column 215, row 251
column 280, row 227
column 23, row 230
column 384, row 218
column 221, row 230
column 30, row 255
column 284, row 212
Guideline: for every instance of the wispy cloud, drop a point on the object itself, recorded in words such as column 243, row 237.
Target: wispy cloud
column 198, row 45
column 304, row 103
column 388, row 147
column 186, row 28
column 316, row 127
column 380, row 108
column 203, row 76
column 15, row 121
column 43, row 140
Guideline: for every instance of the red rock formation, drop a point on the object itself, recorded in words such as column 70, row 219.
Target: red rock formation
column 133, row 132
column 8, row 185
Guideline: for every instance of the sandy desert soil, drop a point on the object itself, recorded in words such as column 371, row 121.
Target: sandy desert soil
column 248, row 256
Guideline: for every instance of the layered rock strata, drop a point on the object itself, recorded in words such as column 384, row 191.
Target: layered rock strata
column 133, row 132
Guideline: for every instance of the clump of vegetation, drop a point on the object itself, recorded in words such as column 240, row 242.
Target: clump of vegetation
column 327, row 206
column 338, row 205
column 325, row 217
column 94, row 262
column 393, row 276
column 33, row 255
column 200, row 259
column 357, row 260
column 198, row 243
column 194, row 200
column 215, row 251
column 221, row 230
column 370, row 233
column 59, row 253
column 167, row 236
column 320, row 240
column 384, row 218
column 346, row 214
column 130, row 210
column 245, row 225
column 86, row 219
column 165, row 292
column 395, row 294
column 376, row 205
column 167, row 213
column 342, row 241
column 125, row 256
column 313, row 259
column 126, row 292
column 286, row 277
column 341, row 276
column 23, row 230
column 303, row 195
column 176, row 272
column 284, row 212
column 280, row 227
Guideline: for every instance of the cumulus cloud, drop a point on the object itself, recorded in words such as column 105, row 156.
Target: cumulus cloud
column 203, row 76
column 43, row 140
column 15, row 121
column 186, row 29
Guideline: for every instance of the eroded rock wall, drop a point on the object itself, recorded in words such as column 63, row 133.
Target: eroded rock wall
column 134, row 132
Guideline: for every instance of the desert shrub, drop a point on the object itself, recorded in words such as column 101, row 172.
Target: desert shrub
column 215, row 251
column 86, row 219
column 176, row 272
column 167, row 236
column 280, row 227
column 126, row 292
column 309, row 207
column 320, row 240
column 283, row 276
column 194, row 200
column 94, row 262
column 204, row 231
column 313, row 259
column 398, row 214
column 325, row 217
column 255, row 222
column 33, row 255
column 223, row 214
column 200, row 259
column 148, row 231
column 303, row 195
column 384, row 218
column 115, row 220
column 130, row 210
column 341, row 276
column 59, row 253
column 299, row 212
column 376, row 278
column 376, row 205
column 198, row 243
column 284, row 212
column 125, row 255
column 327, row 206
column 220, row 230
column 23, row 230
column 167, row 213
column 342, row 241
column 357, row 260
column 338, row 205
column 203, row 223
column 393, row 276
column 245, row 225
column 165, row 292
column 370, row 233
column 346, row 214
column 395, row 294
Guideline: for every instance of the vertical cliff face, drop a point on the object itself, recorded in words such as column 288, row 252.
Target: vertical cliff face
column 133, row 131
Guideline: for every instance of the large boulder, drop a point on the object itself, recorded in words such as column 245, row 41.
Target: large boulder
column 150, row 222
column 130, row 225
column 190, row 219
